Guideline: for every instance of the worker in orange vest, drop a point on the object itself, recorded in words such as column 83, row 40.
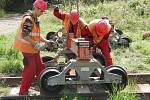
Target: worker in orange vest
column 100, row 30
column 28, row 41
column 71, row 23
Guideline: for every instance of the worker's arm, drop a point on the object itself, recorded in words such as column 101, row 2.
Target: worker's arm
column 82, row 23
column 42, row 39
column 97, row 40
column 27, row 27
column 58, row 14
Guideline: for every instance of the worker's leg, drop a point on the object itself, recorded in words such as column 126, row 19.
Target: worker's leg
column 40, row 65
column 104, row 46
column 28, row 73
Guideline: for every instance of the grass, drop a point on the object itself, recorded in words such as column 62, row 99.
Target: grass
column 10, row 59
column 4, row 90
column 127, row 93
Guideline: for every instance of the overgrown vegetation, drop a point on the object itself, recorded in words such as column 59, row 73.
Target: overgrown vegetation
column 127, row 93
column 10, row 59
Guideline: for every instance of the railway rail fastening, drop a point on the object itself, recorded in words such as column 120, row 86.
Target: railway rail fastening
column 142, row 80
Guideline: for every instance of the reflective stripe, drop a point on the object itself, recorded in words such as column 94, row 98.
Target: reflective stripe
column 34, row 34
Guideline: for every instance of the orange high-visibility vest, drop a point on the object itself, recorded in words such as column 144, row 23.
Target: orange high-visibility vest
column 81, row 26
column 92, row 28
column 23, row 45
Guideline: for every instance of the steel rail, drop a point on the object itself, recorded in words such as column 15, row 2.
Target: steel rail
column 140, row 78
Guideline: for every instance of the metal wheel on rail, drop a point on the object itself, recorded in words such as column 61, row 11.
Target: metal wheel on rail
column 43, row 81
column 114, row 87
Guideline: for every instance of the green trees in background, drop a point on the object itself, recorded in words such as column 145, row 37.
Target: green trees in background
column 2, row 5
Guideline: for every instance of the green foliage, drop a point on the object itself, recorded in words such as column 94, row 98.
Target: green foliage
column 131, row 59
column 11, row 66
column 147, row 60
column 12, row 54
column 2, row 13
column 139, row 6
column 142, row 47
column 125, row 94
column 3, row 3
column 2, row 45
column 4, row 91
column 125, row 17
column 72, row 95
column 49, row 23
column 10, row 59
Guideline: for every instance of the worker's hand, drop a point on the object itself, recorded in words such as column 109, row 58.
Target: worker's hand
column 55, row 7
column 91, row 44
column 51, row 45
column 39, row 46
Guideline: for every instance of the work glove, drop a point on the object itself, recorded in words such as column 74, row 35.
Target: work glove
column 51, row 45
column 39, row 46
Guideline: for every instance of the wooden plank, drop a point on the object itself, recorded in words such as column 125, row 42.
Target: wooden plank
column 143, row 88
column 143, row 92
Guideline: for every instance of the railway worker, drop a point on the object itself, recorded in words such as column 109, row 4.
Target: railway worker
column 71, row 23
column 100, row 30
column 28, row 41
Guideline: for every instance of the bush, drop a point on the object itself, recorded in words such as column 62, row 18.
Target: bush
column 11, row 66
column 12, row 54
column 139, row 6
column 2, row 13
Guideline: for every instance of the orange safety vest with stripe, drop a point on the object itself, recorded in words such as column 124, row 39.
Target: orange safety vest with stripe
column 66, row 23
column 21, row 44
column 92, row 28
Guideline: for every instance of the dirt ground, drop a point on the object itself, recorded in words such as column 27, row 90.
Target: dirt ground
column 10, row 23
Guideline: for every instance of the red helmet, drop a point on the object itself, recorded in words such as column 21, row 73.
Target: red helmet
column 74, row 17
column 40, row 4
column 103, row 27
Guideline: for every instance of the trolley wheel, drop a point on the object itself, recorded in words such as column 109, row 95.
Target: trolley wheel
column 120, row 86
column 43, row 82
column 50, row 35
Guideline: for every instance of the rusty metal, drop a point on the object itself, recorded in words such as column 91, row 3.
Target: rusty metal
column 140, row 78
column 11, row 81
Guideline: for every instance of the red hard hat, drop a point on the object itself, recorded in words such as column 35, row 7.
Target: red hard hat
column 40, row 4
column 74, row 17
column 103, row 27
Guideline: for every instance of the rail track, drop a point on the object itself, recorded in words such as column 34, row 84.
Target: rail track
column 142, row 92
